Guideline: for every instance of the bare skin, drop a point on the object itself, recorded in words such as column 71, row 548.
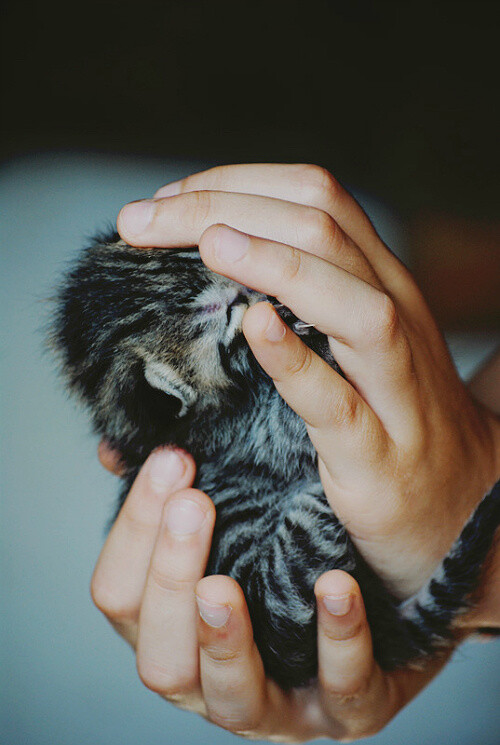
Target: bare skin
column 193, row 637
column 430, row 452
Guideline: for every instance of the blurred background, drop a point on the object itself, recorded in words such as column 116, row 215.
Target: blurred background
column 104, row 102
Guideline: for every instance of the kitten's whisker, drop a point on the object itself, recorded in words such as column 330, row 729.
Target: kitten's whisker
column 302, row 326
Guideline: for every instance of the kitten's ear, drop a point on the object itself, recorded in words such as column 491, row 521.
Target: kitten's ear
column 164, row 377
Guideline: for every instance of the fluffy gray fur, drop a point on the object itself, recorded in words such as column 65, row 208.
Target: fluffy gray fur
column 151, row 342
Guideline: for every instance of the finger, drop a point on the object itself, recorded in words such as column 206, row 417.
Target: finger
column 110, row 458
column 120, row 574
column 232, row 675
column 367, row 336
column 314, row 289
column 180, row 222
column 236, row 692
column 355, row 693
column 167, row 647
column 298, row 374
column 304, row 184
column 339, row 422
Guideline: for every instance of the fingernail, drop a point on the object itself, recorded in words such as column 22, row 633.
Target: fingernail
column 276, row 329
column 338, row 605
column 166, row 468
column 230, row 245
column 136, row 216
column 184, row 517
column 213, row 614
column 169, row 190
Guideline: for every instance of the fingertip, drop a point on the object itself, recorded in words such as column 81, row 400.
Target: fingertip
column 207, row 245
column 168, row 470
column 261, row 324
column 232, row 675
column 134, row 219
column 345, row 653
column 297, row 371
column 256, row 319
column 110, row 458
column 221, row 245
column 336, row 582
column 218, row 588
column 209, row 235
column 189, row 465
column 223, row 611
column 202, row 500
column 341, row 613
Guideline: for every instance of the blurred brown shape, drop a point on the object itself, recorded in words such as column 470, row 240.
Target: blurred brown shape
column 456, row 262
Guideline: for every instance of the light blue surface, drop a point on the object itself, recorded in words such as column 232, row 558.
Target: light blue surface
column 66, row 677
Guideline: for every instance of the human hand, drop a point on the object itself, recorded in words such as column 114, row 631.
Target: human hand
column 404, row 452
column 192, row 634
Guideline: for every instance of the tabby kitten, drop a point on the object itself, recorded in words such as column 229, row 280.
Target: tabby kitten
column 151, row 342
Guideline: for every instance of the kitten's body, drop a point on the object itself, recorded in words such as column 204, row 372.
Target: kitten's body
column 152, row 342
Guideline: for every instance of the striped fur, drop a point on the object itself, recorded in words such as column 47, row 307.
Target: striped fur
column 151, row 343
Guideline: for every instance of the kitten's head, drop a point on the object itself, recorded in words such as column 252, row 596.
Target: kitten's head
column 150, row 339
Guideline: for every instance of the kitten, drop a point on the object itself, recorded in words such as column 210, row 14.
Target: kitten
column 151, row 342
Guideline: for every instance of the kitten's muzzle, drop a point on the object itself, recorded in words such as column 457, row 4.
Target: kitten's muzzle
column 240, row 299
column 244, row 298
column 235, row 312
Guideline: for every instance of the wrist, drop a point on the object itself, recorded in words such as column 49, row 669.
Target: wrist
column 494, row 422
column 485, row 611
column 477, row 479
column 486, row 604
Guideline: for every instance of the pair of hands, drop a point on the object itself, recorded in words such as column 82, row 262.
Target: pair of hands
column 405, row 454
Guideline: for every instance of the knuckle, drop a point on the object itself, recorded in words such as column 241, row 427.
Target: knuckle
column 198, row 208
column 218, row 177
column 221, row 655
column 347, row 409
column 384, row 321
column 346, row 693
column 171, row 684
column 133, row 517
column 341, row 634
column 112, row 605
column 319, row 187
column 169, row 581
column 182, row 185
column 293, row 265
column 334, row 236
column 301, row 362
column 327, row 229
column 238, row 725
column 318, row 227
